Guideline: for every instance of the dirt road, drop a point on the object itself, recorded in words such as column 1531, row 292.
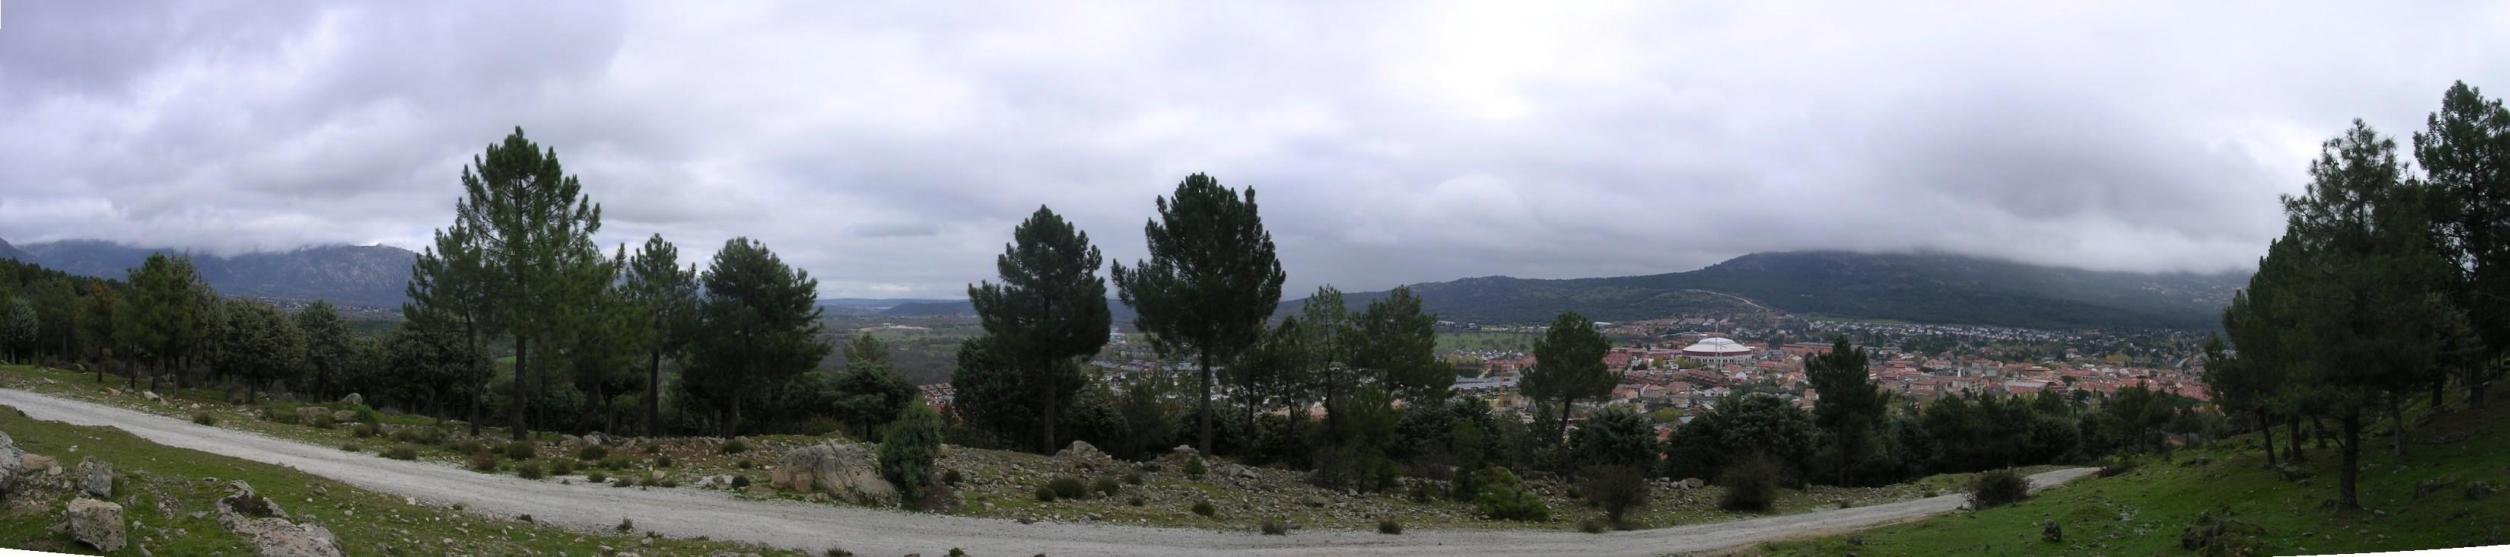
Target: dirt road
column 812, row 527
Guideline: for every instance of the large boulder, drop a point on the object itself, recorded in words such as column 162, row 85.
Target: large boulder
column 353, row 399
column 842, row 470
column 11, row 461
column 95, row 477
column 312, row 414
column 259, row 519
column 98, row 524
column 1081, row 455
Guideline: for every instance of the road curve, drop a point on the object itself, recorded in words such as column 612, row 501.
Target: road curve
column 812, row 527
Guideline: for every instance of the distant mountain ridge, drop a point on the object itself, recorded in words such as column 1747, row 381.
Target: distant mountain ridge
column 359, row 276
column 1916, row 287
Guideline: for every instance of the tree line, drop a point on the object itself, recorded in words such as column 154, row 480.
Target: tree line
column 2390, row 285
column 514, row 310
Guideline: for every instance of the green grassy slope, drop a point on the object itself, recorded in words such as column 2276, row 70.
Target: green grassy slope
column 2444, row 493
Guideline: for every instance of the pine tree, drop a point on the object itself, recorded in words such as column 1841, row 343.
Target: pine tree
column 258, row 343
column 452, row 295
column 760, row 325
column 170, row 308
column 1396, row 343
column 2465, row 155
column 533, row 227
column 2373, row 319
column 1850, row 407
column 1569, row 365
column 667, row 293
column 869, row 394
column 1211, row 282
column 1050, row 308
column 328, row 349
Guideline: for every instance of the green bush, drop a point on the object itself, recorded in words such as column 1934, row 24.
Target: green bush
column 1045, row 494
column 1194, row 468
column 2117, row 465
column 351, row 447
column 663, row 461
column 1105, row 487
column 1617, row 489
column 1204, row 508
column 1997, row 488
column 1134, row 477
column 1389, row 527
column 907, row 449
column 622, row 481
column 561, row 467
column 2216, row 534
column 529, row 470
column 1067, row 487
column 520, row 450
column 1135, row 501
column 482, row 460
column 1503, row 497
column 614, row 463
column 401, row 452
column 746, row 464
column 365, row 430
column 418, row 435
column 592, row 453
column 952, row 477
column 736, row 446
column 1750, row 486
column 596, row 477
column 740, row 482
column 366, row 415
column 205, row 418
column 1593, row 525
column 1275, row 527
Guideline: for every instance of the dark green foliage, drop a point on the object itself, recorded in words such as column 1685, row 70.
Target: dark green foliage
column 1741, row 425
column 529, row 470
column 592, row 453
column 665, row 293
column 1618, row 489
column 256, row 341
column 1849, row 411
column 1045, row 494
column 2461, row 152
column 952, row 477
column 401, row 452
column 868, row 394
column 1394, row 342
column 1616, row 436
column 1503, row 497
column 1354, row 453
column 533, row 232
column 735, row 446
column 1067, row 487
column 519, row 450
column 1275, row 527
column 1569, row 365
column 1105, row 487
column 205, row 418
column 761, row 328
column 1389, row 527
column 1204, row 508
column 907, row 450
column 2217, row 534
column 1594, row 526
column 328, row 347
column 1997, row 488
column 1050, row 308
column 1211, row 281
column 1750, row 485
column 482, row 460
column 1194, row 468
column 663, row 461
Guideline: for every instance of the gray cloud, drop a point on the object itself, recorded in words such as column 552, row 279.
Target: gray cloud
column 891, row 147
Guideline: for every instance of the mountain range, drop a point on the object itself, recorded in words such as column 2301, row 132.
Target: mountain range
column 1915, row 287
column 371, row 277
column 1922, row 287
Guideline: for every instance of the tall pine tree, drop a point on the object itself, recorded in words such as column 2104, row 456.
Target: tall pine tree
column 1569, row 365
column 1211, row 282
column 1049, row 309
column 667, row 295
column 534, row 231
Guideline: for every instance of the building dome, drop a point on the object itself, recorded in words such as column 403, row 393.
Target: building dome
column 1716, row 347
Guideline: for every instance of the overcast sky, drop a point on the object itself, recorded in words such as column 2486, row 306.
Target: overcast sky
column 890, row 148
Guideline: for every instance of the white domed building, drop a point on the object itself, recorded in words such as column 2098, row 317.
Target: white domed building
column 1718, row 350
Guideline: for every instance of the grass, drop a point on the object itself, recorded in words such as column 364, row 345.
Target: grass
column 162, row 486
column 2419, row 502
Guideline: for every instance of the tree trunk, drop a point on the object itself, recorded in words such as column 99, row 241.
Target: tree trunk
column 2266, row 430
column 653, row 391
column 1566, row 402
column 2479, row 379
column 2346, row 476
column 522, row 387
column 2318, row 428
column 733, row 427
column 2396, row 423
column 1204, row 417
column 2294, row 428
column 1049, row 439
